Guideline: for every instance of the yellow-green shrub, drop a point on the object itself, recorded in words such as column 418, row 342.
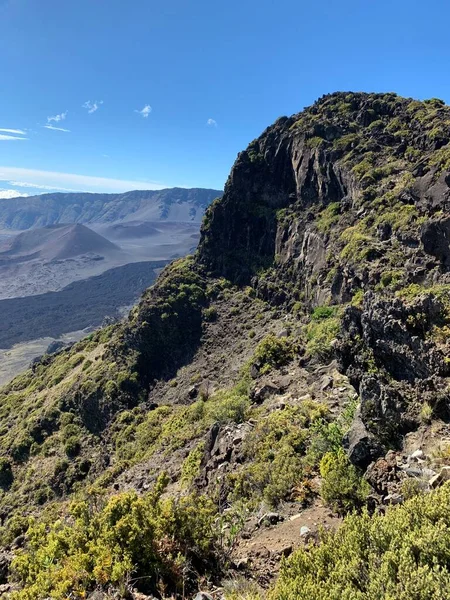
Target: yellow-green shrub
column 102, row 545
column 342, row 488
column 404, row 555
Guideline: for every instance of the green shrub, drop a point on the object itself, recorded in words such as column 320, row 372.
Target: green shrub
column 72, row 446
column 342, row 488
column 101, row 544
column 323, row 312
column 328, row 217
column 227, row 406
column 274, row 450
column 210, row 313
column 191, row 465
column 404, row 555
column 426, row 412
column 273, row 353
column 321, row 331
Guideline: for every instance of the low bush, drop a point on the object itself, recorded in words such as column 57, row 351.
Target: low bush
column 319, row 335
column 342, row 487
column 404, row 555
column 273, row 353
column 154, row 541
column 275, row 451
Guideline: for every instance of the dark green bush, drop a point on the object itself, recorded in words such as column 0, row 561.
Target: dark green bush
column 6, row 474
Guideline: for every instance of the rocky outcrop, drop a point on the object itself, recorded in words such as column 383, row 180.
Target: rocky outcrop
column 435, row 237
column 387, row 350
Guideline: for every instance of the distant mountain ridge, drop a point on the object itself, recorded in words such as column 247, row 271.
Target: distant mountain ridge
column 175, row 204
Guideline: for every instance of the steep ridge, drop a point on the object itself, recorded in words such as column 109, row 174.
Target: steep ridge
column 313, row 318
column 175, row 204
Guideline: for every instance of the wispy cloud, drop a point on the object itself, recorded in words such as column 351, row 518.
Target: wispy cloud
column 6, row 194
column 64, row 181
column 16, row 131
column 211, row 123
column 57, row 118
column 5, row 138
column 92, row 106
column 57, row 128
column 145, row 111
column 26, row 184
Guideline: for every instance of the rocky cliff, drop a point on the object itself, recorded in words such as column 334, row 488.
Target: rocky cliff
column 299, row 360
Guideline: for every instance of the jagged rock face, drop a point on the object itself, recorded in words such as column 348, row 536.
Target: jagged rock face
column 380, row 160
column 241, row 233
column 387, row 350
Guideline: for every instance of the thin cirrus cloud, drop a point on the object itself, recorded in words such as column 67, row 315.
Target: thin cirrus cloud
column 92, row 106
column 211, row 123
column 10, row 138
column 56, row 128
column 145, row 111
column 12, row 135
column 37, row 186
column 15, row 131
column 29, row 178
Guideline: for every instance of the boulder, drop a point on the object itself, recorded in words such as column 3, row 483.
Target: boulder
column 263, row 392
column 435, row 237
column 362, row 447
column 5, row 561
column 440, row 478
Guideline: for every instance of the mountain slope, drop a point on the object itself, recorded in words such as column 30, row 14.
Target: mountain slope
column 55, row 242
column 177, row 204
column 297, row 359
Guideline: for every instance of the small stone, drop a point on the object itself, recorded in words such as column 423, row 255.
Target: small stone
column 286, row 551
column 269, row 519
column 428, row 473
column 241, row 563
column 414, row 472
column 264, row 392
column 417, row 454
column 284, row 333
column 192, row 392
column 18, row 542
column 305, row 532
column 254, row 371
column 326, row 382
column 203, row 596
column 393, row 499
column 294, row 517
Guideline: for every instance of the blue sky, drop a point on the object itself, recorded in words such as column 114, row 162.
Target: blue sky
column 212, row 75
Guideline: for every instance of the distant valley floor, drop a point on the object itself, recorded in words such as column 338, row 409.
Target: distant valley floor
column 79, row 305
